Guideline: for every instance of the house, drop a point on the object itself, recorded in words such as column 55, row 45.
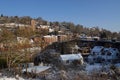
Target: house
column 111, row 54
column 51, row 30
column 13, row 25
column 83, row 37
column 50, row 38
column 54, row 38
column 95, row 38
column 1, row 24
column 102, row 54
column 68, row 59
column 43, row 26
column 62, row 38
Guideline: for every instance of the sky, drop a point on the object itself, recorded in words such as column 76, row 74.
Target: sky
column 89, row 13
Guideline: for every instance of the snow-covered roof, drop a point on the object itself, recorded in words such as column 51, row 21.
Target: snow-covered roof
column 97, row 48
column 113, row 50
column 36, row 69
column 49, row 36
column 44, row 26
column 106, row 49
column 71, row 57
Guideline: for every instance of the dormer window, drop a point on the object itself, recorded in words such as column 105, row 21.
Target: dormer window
column 93, row 53
column 109, row 60
column 114, row 49
column 94, row 59
column 102, row 50
column 117, row 54
column 103, row 59
column 67, row 61
column 103, row 53
column 109, row 54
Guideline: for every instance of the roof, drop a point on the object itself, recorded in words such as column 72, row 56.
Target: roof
column 113, row 50
column 71, row 56
column 97, row 48
column 36, row 69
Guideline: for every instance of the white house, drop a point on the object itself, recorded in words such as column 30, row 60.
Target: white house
column 110, row 54
column 69, row 58
column 102, row 54
column 51, row 30
column 44, row 26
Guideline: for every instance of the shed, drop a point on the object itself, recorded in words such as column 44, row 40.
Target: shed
column 69, row 58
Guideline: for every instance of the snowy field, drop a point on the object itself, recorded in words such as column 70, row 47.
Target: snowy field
column 19, row 78
column 10, row 78
column 98, row 67
column 89, row 70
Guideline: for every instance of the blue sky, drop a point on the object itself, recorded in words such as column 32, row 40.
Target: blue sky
column 89, row 13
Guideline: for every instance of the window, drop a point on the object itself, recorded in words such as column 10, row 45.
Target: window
column 109, row 54
column 117, row 54
column 94, row 59
column 93, row 53
column 103, row 53
column 103, row 59
column 114, row 49
column 109, row 60
column 67, row 61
